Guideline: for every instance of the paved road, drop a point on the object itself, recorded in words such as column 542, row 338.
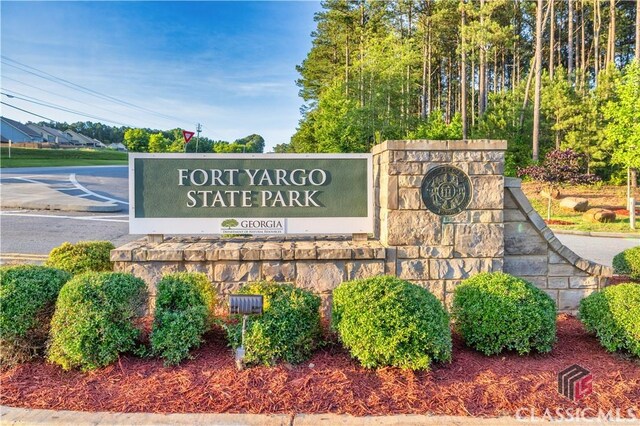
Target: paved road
column 106, row 181
column 37, row 232
column 598, row 249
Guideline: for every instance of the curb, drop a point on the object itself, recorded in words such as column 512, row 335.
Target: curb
column 23, row 258
column 43, row 205
column 26, row 416
column 596, row 234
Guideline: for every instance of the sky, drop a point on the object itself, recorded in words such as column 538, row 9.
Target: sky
column 227, row 65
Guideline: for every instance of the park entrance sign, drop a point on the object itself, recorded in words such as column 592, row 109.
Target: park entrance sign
column 442, row 212
column 250, row 194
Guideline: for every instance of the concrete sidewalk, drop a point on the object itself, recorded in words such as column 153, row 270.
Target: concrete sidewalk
column 20, row 416
column 42, row 197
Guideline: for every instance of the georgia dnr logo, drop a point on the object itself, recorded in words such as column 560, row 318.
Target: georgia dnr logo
column 575, row 382
column 256, row 226
column 446, row 190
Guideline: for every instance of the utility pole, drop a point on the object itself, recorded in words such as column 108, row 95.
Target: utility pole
column 198, row 130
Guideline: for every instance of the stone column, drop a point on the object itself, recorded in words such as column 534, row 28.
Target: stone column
column 438, row 251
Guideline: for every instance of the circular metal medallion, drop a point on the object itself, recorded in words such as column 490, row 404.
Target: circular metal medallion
column 446, row 190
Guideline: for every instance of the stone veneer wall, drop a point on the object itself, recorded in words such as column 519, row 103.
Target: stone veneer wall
column 430, row 250
column 316, row 264
column 498, row 231
column 533, row 252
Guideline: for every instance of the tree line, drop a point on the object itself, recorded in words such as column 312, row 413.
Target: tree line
column 541, row 74
column 143, row 140
column 154, row 140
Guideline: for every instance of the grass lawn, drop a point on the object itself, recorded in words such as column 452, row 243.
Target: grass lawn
column 600, row 196
column 26, row 157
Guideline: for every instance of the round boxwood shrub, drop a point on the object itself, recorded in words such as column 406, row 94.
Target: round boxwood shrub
column 288, row 330
column 494, row 312
column 613, row 314
column 27, row 297
column 387, row 321
column 94, row 319
column 628, row 263
column 82, row 257
column 185, row 304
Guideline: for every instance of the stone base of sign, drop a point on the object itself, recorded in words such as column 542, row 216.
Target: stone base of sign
column 498, row 231
column 318, row 265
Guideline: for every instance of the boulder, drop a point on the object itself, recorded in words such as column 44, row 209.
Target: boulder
column 575, row 204
column 555, row 193
column 599, row 215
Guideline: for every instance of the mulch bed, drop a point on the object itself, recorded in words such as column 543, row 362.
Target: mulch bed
column 624, row 212
column 557, row 222
column 332, row 382
column 620, row 279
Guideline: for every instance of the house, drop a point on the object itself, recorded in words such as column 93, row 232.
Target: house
column 98, row 143
column 16, row 132
column 117, row 146
column 50, row 134
column 37, row 133
column 80, row 139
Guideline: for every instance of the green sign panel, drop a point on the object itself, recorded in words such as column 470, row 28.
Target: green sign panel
column 229, row 187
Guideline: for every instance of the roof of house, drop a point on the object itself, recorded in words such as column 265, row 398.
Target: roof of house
column 84, row 140
column 98, row 143
column 21, row 127
column 36, row 128
column 57, row 133
column 45, row 130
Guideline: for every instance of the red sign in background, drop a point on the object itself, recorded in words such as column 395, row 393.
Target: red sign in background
column 187, row 135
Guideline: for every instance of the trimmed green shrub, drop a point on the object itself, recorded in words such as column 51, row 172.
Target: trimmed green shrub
column 81, row 257
column 27, row 297
column 494, row 312
column 613, row 314
column 387, row 321
column 628, row 263
column 185, row 304
column 93, row 320
column 288, row 330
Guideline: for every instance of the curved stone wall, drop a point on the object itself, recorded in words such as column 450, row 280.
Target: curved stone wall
column 533, row 252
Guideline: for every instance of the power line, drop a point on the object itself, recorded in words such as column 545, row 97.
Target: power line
column 60, row 96
column 70, row 84
column 50, row 77
column 29, row 112
column 61, row 108
column 58, row 107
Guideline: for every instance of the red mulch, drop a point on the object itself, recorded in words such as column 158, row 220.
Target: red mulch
column 557, row 222
column 624, row 212
column 472, row 384
column 620, row 279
